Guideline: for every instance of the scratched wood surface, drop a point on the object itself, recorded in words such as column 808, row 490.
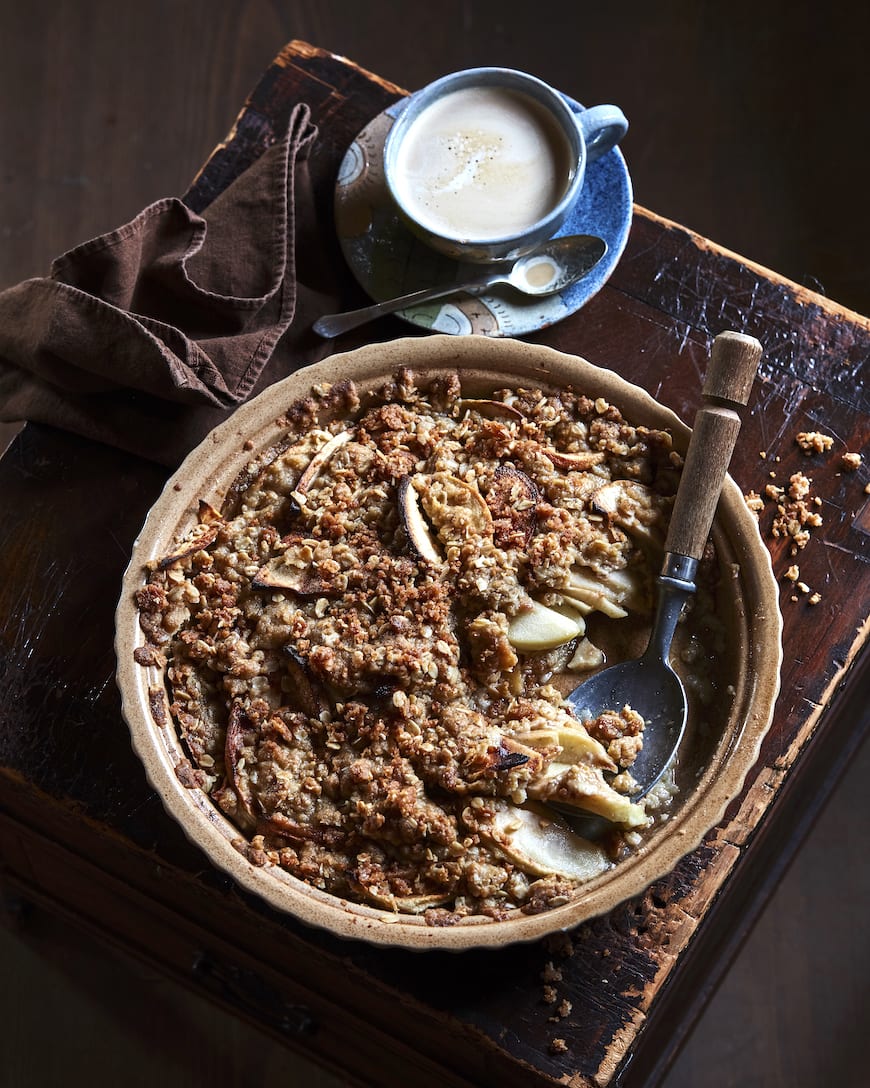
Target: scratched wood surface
column 82, row 826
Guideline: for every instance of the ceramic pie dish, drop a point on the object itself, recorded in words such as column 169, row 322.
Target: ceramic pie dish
column 713, row 762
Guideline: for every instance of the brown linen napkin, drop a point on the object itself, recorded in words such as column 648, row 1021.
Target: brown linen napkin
column 148, row 336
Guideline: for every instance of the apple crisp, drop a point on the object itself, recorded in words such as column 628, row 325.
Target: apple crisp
column 367, row 646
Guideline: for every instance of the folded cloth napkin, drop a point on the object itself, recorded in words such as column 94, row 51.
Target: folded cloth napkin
column 148, row 336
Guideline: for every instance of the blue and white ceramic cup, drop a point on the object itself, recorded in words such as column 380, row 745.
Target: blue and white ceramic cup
column 484, row 164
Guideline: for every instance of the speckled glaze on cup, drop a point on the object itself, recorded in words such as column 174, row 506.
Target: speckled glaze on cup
column 587, row 135
column 714, row 771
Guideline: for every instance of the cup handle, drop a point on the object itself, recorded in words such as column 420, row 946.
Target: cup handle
column 602, row 127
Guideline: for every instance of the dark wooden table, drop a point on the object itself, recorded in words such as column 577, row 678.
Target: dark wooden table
column 81, row 831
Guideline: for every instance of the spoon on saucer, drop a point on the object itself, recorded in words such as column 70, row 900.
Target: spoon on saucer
column 551, row 267
column 649, row 684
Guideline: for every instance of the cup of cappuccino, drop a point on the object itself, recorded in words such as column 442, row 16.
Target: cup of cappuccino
column 485, row 164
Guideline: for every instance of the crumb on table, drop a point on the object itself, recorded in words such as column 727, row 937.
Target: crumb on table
column 814, row 441
column 754, row 501
column 563, row 1010
column 551, row 973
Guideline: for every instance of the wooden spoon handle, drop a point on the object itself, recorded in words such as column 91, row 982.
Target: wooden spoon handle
column 733, row 364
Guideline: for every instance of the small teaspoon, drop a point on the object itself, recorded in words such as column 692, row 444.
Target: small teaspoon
column 551, row 267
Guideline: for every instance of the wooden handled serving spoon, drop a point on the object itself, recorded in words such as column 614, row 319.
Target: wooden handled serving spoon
column 649, row 684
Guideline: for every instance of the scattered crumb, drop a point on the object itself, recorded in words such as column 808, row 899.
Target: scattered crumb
column 799, row 486
column 814, row 441
column 551, row 973
column 754, row 501
column 558, row 1046
column 797, row 510
column 247, row 444
column 550, row 995
column 563, row 1010
column 795, row 520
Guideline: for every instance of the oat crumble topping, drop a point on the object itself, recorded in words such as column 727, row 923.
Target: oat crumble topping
column 363, row 646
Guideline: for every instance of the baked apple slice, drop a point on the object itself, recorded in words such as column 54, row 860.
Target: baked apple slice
column 634, row 507
column 417, row 530
column 316, row 464
column 582, row 786
column 538, row 841
column 539, row 627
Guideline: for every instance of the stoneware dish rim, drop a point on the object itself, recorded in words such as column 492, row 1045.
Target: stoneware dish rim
column 207, row 473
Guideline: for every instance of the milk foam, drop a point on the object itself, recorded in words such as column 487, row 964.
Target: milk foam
column 482, row 163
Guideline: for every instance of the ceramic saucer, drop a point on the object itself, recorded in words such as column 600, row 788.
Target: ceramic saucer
column 387, row 260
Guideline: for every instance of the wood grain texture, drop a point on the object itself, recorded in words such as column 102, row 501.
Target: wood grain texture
column 653, row 324
column 714, row 434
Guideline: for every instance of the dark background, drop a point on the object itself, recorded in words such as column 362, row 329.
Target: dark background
column 747, row 126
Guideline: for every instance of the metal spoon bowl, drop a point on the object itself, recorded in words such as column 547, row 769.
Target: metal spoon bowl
column 552, row 267
column 649, row 684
